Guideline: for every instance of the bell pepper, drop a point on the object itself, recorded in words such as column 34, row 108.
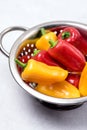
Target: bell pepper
column 68, row 55
column 59, row 90
column 83, row 82
column 38, row 72
column 43, row 56
column 73, row 36
column 43, row 42
column 73, row 79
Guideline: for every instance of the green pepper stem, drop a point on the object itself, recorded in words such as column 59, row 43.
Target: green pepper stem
column 23, row 65
column 52, row 43
column 36, row 52
column 65, row 35
column 43, row 31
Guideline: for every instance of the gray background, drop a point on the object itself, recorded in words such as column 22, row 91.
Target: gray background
column 18, row 110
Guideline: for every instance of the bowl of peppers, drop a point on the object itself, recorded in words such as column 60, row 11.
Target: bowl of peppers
column 49, row 61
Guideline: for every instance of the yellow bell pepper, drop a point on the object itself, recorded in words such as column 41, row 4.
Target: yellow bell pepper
column 83, row 82
column 59, row 90
column 42, row 73
column 43, row 42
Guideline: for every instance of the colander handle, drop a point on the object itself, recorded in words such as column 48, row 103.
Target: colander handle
column 9, row 29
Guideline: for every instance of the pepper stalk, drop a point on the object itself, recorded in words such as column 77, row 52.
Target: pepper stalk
column 21, row 64
column 43, row 31
column 65, row 35
column 52, row 43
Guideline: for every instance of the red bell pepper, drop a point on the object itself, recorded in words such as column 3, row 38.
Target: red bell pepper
column 73, row 36
column 73, row 79
column 68, row 55
column 44, row 57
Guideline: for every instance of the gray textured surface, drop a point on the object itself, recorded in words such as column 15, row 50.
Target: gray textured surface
column 18, row 110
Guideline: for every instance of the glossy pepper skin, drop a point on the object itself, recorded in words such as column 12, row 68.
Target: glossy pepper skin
column 73, row 36
column 83, row 82
column 59, row 90
column 44, row 57
column 43, row 42
column 73, row 79
column 41, row 73
column 68, row 55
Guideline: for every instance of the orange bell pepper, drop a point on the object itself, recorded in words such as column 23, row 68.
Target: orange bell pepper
column 59, row 90
column 38, row 72
column 83, row 82
column 43, row 42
